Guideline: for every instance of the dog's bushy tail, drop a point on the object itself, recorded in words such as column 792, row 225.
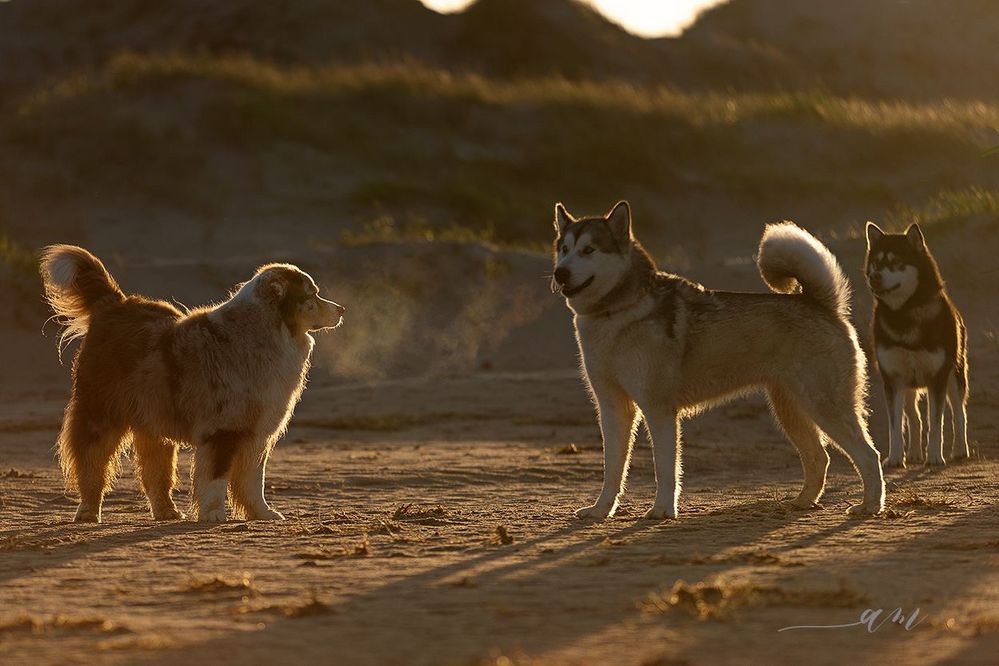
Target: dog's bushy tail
column 789, row 256
column 77, row 285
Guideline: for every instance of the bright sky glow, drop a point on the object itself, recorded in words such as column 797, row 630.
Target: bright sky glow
column 647, row 18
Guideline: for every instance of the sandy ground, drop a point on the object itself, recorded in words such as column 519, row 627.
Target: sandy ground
column 431, row 523
column 430, row 520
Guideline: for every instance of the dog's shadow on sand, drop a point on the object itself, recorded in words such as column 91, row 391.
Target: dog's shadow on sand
column 609, row 572
column 78, row 540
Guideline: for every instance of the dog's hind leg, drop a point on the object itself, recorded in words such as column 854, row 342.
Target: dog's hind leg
column 844, row 425
column 88, row 454
column 664, row 431
column 915, row 436
column 156, row 460
column 957, row 396
column 246, row 485
column 213, row 459
column 807, row 439
column 617, row 426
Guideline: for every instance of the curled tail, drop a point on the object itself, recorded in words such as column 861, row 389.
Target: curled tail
column 76, row 286
column 790, row 256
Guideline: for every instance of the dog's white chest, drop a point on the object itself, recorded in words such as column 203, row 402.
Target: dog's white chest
column 619, row 351
column 914, row 367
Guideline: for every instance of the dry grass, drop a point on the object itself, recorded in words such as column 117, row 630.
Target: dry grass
column 34, row 624
column 477, row 158
column 910, row 499
column 433, row 514
column 14, row 473
column 15, row 258
column 131, row 70
column 502, row 536
column 312, row 555
column 387, row 229
column 721, row 598
column 753, row 557
column 312, row 608
column 947, row 206
column 221, row 585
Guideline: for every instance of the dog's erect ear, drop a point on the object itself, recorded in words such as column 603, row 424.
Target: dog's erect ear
column 915, row 236
column 563, row 219
column 874, row 233
column 619, row 220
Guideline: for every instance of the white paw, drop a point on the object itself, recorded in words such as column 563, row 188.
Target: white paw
column 266, row 514
column 865, row 509
column 660, row 513
column 597, row 511
column 212, row 515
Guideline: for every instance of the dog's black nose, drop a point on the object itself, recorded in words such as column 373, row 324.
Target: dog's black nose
column 562, row 275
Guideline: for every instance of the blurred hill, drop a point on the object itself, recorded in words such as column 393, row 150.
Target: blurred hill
column 919, row 49
column 194, row 133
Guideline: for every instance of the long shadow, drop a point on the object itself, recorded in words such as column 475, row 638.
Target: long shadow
column 373, row 627
column 910, row 584
column 35, row 560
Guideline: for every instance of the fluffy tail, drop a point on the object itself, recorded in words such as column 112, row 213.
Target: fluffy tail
column 789, row 256
column 76, row 286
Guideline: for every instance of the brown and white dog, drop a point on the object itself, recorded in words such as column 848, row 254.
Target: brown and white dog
column 223, row 379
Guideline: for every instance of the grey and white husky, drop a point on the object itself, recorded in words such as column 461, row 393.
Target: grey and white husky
column 660, row 347
column 920, row 343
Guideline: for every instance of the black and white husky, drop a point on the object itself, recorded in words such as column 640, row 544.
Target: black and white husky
column 920, row 344
column 659, row 347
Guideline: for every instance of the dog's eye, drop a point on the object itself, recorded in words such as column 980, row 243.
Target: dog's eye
column 565, row 248
column 587, row 250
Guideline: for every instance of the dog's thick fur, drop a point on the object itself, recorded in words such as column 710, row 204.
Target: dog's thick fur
column 223, row 379
column 921, row 346
column 658, row 346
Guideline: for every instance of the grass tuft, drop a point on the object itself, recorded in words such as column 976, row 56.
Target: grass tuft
column 947, row 207
column 721, row 598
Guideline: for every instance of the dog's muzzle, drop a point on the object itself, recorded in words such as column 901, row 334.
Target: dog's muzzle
column 570, row 292
column 877, row 286
column 334, row 313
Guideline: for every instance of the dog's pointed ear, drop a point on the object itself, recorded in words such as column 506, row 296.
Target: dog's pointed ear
column 874, row 233
column 915, row 236
column 563, row 219
column 619, row 220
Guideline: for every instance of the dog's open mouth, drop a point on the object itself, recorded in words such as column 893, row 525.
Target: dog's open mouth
column 569, row 293
column 884, row 292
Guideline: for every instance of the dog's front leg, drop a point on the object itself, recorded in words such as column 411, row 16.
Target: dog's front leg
column 664, row 431
column 617, row 427
column 937, row 400
column 209, row 476
column 895, row 397
column 247, row 486
column 916, row 448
